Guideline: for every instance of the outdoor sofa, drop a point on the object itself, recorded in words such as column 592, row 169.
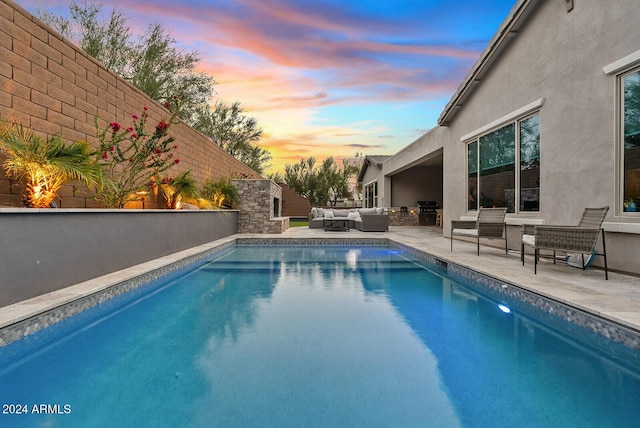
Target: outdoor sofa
column 363, row 219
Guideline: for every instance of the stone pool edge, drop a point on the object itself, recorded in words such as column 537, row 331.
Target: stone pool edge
column 24, row 318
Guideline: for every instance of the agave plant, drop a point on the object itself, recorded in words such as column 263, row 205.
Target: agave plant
column 173, row 190
column 45, row 165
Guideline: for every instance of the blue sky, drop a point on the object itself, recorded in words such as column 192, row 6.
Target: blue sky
column 327, row 77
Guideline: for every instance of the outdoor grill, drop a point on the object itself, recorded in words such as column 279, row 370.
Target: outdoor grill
column 427, row 214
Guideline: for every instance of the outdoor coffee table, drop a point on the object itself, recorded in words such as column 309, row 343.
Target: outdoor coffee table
column 335, row 224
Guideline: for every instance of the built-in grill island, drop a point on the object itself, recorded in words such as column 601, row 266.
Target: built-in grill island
column 427, row 214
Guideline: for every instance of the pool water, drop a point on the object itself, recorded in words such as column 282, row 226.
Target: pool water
column 316, row 337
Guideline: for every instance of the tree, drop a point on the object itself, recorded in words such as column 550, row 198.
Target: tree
column 320, row 185
column 160, row 70
column 152, row 63
column 235, row 132
column 108, row 42
column 338, row 179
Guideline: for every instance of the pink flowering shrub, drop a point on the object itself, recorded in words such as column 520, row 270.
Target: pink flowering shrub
column 132, row 155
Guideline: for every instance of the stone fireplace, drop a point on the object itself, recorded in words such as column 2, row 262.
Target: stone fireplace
column 260, row 206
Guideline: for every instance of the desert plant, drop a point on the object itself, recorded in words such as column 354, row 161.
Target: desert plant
column 131, row 156
column 222, row 193
column 173, row 190
column 45, row 165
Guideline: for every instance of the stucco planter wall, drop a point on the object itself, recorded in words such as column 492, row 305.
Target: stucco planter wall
column 46, row 250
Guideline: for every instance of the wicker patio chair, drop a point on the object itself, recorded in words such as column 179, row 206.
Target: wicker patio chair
column 490, row 224
column 581, row 239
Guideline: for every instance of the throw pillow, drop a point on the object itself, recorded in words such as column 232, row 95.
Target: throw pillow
column 320, row 212
column 328, row 213
column 353, row 215
column 314, row 213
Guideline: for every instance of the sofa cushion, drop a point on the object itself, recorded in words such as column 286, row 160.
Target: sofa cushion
column 364, row 211
column 340, row 213
column 354, row 215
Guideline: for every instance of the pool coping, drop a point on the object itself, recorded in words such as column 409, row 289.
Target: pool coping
column 24, row 318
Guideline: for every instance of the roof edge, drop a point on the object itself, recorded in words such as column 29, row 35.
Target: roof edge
column 507, row 31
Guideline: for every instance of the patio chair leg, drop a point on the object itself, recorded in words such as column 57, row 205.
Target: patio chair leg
column 478, row 246
column 522, row 253
column 604, row 254
column 535, row 261
column 582, row 254
column 506, row 243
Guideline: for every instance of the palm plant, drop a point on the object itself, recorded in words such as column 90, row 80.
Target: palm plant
column 221, row 193
column 45, row 165
column 174, row 189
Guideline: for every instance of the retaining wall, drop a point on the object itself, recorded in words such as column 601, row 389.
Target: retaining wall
column 42, row 250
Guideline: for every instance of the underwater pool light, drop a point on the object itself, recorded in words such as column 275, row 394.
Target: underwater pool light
column 504, row 308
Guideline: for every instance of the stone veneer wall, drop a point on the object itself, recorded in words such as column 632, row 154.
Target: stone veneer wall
column 256, row 207
column 410, row 218
column 53, row 87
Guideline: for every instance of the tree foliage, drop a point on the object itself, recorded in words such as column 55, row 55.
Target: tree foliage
column 321, row 184
column 235, row 132
column 154, row 64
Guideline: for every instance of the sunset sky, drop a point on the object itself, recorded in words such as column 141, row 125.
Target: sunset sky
column 327, row 77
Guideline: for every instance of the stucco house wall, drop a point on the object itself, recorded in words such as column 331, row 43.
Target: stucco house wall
column 553, row 63
column 405, row 192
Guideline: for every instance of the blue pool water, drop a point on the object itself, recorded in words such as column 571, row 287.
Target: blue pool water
column 316, row 337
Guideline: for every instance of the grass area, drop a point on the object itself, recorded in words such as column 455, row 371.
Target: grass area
column 298, row 223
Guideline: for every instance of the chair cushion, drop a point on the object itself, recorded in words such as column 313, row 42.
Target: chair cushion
column 529, row 240
column 466, row 232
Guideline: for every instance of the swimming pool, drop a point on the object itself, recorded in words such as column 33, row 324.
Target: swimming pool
column 317, row 336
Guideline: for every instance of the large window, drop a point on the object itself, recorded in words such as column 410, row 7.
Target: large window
column 631, row 141
column 492, row 176
column 371, row 195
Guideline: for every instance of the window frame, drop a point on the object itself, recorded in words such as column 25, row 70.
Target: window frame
column 620, row 149
column 514, row 119
column 371, row 199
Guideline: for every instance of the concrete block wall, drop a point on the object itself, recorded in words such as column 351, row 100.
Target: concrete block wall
column 53, row 87
column 294, row 205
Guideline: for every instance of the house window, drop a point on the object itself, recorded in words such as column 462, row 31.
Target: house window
column 631, row 141
column 472, row 176
column 371, row 195
column 492, row 176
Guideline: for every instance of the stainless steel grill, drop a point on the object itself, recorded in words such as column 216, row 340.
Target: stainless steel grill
column 427, row 214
